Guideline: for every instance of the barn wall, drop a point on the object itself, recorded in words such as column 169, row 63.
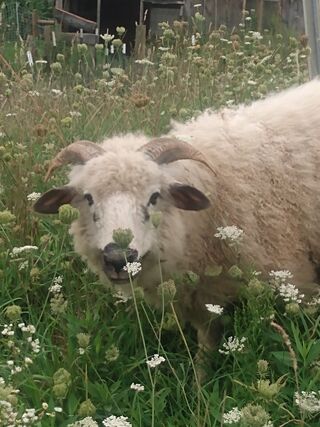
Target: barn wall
column 228, row 12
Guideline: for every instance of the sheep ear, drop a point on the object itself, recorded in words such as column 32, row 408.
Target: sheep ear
column 188, row 198
column 50, row 202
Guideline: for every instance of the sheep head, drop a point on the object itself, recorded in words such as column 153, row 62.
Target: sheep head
column 120, row 190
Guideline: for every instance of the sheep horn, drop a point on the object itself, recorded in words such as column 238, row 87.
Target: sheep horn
column 168, row 150
column 78, row 152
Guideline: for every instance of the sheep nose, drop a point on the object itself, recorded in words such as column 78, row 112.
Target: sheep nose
column 116, row 257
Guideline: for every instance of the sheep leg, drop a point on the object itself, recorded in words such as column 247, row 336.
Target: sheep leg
column 208, row 339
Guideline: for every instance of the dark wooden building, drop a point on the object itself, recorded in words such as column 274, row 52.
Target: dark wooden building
column 95, row 17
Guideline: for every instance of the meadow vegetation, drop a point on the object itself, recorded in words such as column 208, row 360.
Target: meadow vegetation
column 71, row 351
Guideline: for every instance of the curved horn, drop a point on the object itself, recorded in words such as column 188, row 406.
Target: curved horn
column 78, row 152
column 168, row 150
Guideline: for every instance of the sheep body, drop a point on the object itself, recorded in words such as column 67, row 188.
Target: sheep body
column 267, row 162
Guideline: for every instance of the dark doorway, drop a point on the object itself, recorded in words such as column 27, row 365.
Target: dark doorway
column 114, row 13
column 120, row 13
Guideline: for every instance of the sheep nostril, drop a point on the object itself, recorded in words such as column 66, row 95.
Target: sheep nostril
column 117, row 258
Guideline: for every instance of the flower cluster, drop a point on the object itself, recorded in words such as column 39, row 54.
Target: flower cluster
column 232, row 416
column 33, row 197
column 16, row 251
column 58, row 304
column 231, row 234
column 132, row 268
column 214, row 308
column 137, row 387
column 155, row 361
column 290, row 293
column 279, row 277
column 233, row 345
column 308, row 401
column 114, row 421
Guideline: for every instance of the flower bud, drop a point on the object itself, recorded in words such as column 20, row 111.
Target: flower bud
column 83, row 340
column 62, row 376
column 167, row 291
column 13, row 312
column 292, row 308
column 263, row 366
column 122, row 237
column 235, row 272
column 68, row 214
column 112, row 353
column 86, row 409
column 6, row 217
column 254, row 416
column 60, row 390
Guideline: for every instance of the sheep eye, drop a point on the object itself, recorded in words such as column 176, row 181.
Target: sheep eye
column 89, row 198
column 153, row 199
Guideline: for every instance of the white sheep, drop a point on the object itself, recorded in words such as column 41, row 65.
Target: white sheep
column 256, row 167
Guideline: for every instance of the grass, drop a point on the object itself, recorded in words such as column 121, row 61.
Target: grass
column 82, row 93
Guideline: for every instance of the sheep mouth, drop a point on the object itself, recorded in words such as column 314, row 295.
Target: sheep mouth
column 116, row 274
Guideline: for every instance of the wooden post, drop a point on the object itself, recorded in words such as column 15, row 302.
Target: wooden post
column 140, row 42
column 141, row 12
column 34, row 23
column 59, row 4
column 311, row 10
column 98, row 15
column 259, row 11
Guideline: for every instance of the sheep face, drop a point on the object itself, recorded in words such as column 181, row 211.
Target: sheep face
column 119, row 191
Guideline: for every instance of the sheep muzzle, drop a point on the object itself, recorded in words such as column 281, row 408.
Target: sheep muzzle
column 114, row 259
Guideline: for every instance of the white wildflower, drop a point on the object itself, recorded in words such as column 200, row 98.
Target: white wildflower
column 256, row 35
column 155, row 361
column 290, row 293
column 45, row 406
column 2, row 135
column 35, row 345
column 85, row 422
column 56, row 92
column 121, row 297
column 163, row 49
column 214, row 308
column 8, row 330
column 55, row 289
column 58, row 280
column 137, row 387
column 75, row 113
column 308, row 401
column 32, row 197
column 29, row 416
column 132, row 268
column 144, row 61
column 233, row 345
column 41, row 62
column 230, row 233
column 23, row 265
column 248, row 18
column 18, row 250
column 2, row 381
column 252, row 83
column 280, row 276
column 81, row 350
column 57, row 409
column 33, row 93
column 232, row 416
column 107, row 37
column 114, row 421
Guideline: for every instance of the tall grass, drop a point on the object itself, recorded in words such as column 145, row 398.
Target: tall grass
column 79, row 92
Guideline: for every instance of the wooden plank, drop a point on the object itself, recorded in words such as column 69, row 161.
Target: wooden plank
column 87, row 38
column 34, row 23
column 74, row 21
column 140, row 42
column 311, row 9
column 259, row 11
column 46, row 22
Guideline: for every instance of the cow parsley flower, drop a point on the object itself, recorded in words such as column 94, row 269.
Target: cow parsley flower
column 18, row 250
column 85, row 422
column 232, row 416
column 231, row 233
column 233, row 345
column 155, row 361
column 308, row 401
column 280, row 276
column 137, row 387
column 214, row 308
column 32, row 197
column 132, row 268
column 290, row 293
column 114, row 421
